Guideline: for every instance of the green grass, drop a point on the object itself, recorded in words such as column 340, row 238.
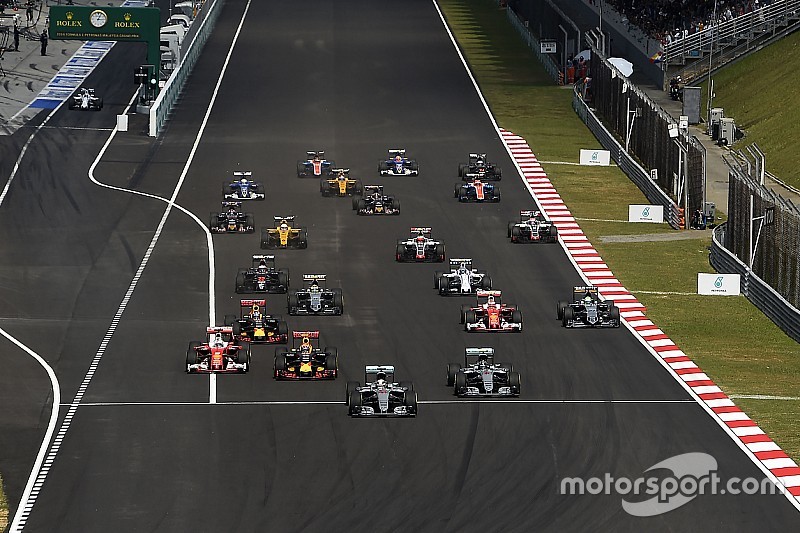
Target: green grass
column 759, row 93
column 3, row 508
column 730, row 339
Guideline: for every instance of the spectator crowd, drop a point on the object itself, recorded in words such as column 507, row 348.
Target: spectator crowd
column 671, row 20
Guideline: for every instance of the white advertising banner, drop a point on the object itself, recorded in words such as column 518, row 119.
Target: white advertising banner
column 595, row 157
column 719, row 284
column 646, row 213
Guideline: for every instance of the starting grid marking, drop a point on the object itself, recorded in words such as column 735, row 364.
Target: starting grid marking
column 487, row 401
column 588, row 260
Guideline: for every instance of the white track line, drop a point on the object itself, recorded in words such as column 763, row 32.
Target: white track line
column 26, row 504
column 484, row 401
column 794, row 501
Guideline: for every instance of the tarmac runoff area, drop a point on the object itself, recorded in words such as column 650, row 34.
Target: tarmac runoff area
column 25, row 73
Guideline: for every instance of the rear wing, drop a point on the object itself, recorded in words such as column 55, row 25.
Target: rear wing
column 312, row 154
column 309, row 277
column 243, row 174
column 424, row 231
column 231, row 204
column 302, row 334
column 483, row 296
column 477, row 156
column 455, row 263
column 372, row 370
column 283, row 219
column 337, row 170
column 397, row 151
column 220, row 329
column 251, row 303
column 472, row 355
column 269, row 260
column 579, row 292
column 371, row 189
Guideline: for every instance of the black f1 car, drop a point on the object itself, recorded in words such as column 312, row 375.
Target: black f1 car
column 85, row 100
column 252, row 325
column 491, row 314
column 420, row 248
column 481, row 376
column 221, row 354
column 262, row 277
column 315, row 298
column 587, row 310
column 232, row 220
column 375, row 202
column 315, row 165
column 306, row 360
column 340, row 184
column 532, row 227
column 397, row 164
column 462, row 280
column 381, row 395
column 242, row 187
column 479, row 168
column 476, row 191
column 284, row 235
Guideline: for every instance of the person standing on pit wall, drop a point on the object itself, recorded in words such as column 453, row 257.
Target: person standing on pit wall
column 29, row 12
column 16, row 37
column 43, row 40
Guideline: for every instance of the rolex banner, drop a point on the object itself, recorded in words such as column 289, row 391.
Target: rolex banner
column 104, row 23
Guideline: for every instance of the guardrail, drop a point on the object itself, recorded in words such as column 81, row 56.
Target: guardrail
column 629, row 166
column 773, row 305
column 743, row 27
column 533, row 43
column 163, row 104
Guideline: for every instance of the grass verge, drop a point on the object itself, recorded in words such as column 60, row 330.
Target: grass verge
column 731, row 340
column 3, row 508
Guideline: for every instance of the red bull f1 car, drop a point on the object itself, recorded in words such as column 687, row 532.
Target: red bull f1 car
column 532, row 227
column 420, row 248
column 255, row 327
column 222, row 354
column 306, row 360
column 397, row 164
column 315, row 165
column 231, row 220
column 491, row 314
column 587, row 310
column 374, row 202
column 481, row 376
column 381, row 396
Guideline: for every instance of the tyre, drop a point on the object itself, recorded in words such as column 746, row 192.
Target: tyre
column 359, row 187
column 361, row 206
column 462, row 170
column 460, row 384
column 516, row 316
column 508, row 366
column 280, row 359
column 100, row 104
column 292, row 303
column 400, row 252
column 212, row 220
column 356, row 201
column 396, row 206
column 323, row 187
column 553, row 233
column 440, row 252
column 349, row 388
column 260, row 189
column 452, row 370
column 264, row 239
column 283, row 328
column 301, row 169
column 243, row 355
column 354, row 403
column 510, row 227
column 560, row 306
column 191, row 354
column 486, row 282
column 338, row 301
column 237, row 328
column 240, row 285
column 283, row 279
column 514, row 382
column 464, row 309
column 332, row 362
column 230, row 320
column 407, row 384
column 410, row 401
column 302, row 238
column 414, row 166
column 383, row 166
column 250, row 224
column 498, row 173
column 515, row 234
column 568, row 317
column 457, row 190
column 332, row 351
column 470, row 317
column 437, row 279
column 496, row 195
column 615, row 316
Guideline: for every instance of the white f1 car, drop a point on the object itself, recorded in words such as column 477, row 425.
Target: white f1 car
column 85, row 99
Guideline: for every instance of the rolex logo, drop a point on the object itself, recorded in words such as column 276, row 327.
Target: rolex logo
column 127, row 17
column 70, row 14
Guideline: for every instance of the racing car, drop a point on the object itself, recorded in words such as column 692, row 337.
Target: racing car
column 315, row 165
column 340, row 184
column 85, row 100
column 587, row 310
column 375, row 202
column 532, row 227
column 381, row 395
column 476, row 191
column 220, row 354
column 315, row 298
column 397, row 164
column 462, row 280
column 253, row 326
column 420, row 248
column 232, row 220
column 491, row 314
column 262, row 277
column 243, row 188
column 481, row 376
column 479, row 168
column 284, row 235
column 306, row 360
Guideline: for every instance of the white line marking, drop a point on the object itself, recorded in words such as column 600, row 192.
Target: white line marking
column 664, row 293
column 763, row 397
column 428, row 402
column 26, row 505
column 747, row 449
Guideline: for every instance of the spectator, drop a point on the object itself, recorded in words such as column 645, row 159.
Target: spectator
column 16, row 37
column 43, row 40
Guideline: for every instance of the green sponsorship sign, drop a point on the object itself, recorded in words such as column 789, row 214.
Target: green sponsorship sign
column 89, row 23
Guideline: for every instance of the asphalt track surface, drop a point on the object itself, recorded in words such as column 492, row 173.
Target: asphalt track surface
column 146, row 451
